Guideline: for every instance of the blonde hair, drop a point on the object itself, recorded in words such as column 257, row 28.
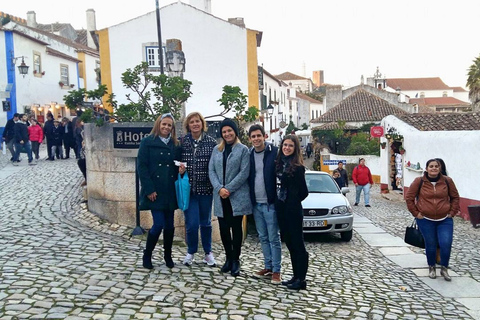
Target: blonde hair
column 222, row 143
column 156, row 127
column 190, row 116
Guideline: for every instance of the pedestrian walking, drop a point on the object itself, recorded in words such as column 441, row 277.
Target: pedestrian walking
column 47, row 133
column 68, row 142
column 22, row 141
column 57, row 138
column 343, row 173
column 35, row 133
column 263, row 194
column 158, row 172
column 9, row 134
column 228, row 171
column 291, row 192
column 309, row 150
column 362, row 178
column 197, row 148
column 433, row 200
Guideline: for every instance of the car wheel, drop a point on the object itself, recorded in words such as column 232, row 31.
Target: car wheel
column 347, row 235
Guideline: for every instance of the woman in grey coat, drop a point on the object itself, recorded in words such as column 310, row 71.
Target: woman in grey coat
column 228, row 171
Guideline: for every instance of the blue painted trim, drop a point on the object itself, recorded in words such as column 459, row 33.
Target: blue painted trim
column 9, row 48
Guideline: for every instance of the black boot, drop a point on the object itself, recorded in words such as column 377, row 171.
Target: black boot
column 298, row 285
column 227, row 266
column 235, row 268
column 167, row 247
column 147, row 253
column 292, row 280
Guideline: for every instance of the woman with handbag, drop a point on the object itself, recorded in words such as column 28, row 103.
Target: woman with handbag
column 433, row 200
column 158, row 172
column 292, row 191
column 228, row 170
column 197, row 148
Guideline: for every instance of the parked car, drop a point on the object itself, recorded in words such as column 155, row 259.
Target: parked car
column 326, row 209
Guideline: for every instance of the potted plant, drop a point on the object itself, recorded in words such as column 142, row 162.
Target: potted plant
column 72, row 85
column 61, row 84
column 43, row 73
column 34, row 71
column 383, row 145
column 401, row 149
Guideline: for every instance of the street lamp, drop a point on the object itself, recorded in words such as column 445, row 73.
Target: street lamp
column 22, row 68
column 270, row 110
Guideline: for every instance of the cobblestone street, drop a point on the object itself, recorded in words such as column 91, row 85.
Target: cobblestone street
column 58, row 261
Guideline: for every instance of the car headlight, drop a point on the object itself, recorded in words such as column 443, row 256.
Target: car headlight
column 340, row 210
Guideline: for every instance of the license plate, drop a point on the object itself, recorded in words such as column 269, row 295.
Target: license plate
column 314, row 223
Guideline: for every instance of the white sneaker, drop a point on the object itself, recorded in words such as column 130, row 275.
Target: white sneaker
column 15, row 163
column 189, row 259
column 209, row 260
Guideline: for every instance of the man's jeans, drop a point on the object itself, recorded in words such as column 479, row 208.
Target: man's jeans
column 269, row 234
column 437, row 234
column 198, row 215
column 366, row 193
column 10, row 147
column 18, row 148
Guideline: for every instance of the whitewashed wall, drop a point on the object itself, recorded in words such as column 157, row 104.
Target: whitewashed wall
column 3, row 77
column 459, row 150
column 371, row 161
column 215, row 52
column 428, row 93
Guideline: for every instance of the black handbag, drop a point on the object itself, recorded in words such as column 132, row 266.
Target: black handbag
column 413, row 236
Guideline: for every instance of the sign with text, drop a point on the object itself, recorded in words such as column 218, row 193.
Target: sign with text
column 376, row 132
column 333, row 162
column 126, row 140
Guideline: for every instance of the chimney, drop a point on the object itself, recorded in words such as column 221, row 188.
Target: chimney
column 204, row 5
column 91, row 26
column 333, row 96
column 237, row 21
column 32, row 19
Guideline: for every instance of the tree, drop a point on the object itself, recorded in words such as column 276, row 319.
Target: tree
column 473, row 84
column 75, row 98
column 169, row 92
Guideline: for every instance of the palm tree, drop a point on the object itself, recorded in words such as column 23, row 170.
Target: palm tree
column 473, row 83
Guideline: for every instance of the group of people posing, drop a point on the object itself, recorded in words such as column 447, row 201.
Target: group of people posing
column 266, row 180
column 24, row 134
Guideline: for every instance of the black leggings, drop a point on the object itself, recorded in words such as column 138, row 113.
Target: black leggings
column 230, row 231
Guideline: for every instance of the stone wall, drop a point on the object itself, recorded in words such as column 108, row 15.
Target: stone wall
column 111, row 181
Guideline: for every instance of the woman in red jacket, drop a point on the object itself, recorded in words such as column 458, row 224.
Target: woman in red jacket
column 433, row 199
column 35, row 134
column 362, row 178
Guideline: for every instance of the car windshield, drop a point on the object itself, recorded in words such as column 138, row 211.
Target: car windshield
column 321, row 183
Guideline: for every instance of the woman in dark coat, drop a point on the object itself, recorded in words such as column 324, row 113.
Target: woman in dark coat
column 68, row 141
column 293, row 190
column 158, row 172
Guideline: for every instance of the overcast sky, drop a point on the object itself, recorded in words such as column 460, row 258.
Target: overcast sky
column 346, row 39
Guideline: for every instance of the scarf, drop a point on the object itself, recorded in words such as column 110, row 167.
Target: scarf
column 165, row 140
column 282, row 190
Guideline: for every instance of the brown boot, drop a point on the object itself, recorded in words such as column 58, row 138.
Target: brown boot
column 432, row 273
column 444, row 274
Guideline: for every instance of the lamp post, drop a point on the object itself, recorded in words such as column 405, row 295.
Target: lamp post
column 159, row 34
column 22, row 68
column 270, row 110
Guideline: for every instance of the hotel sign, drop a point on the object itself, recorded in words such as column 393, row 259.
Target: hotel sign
column 126, row 140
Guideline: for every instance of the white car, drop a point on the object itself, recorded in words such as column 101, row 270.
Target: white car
column 326, row 209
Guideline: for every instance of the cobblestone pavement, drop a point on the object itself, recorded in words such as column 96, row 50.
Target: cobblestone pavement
column 58, row 261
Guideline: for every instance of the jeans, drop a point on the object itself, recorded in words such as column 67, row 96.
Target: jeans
column 198, row 215
column 366, row 193
column 10, row 146
column 57, row 151
column 269, row 235
column 437, row 234
column 162, row 219
column 28, row 148
column 35, row 149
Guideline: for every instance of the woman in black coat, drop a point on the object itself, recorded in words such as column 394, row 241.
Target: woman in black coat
column 68, row 141
column 292, row 191
column 158, row 172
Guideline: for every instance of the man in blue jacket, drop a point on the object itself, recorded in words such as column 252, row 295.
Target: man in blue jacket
column 22, row 141
column 263, row 192
column 9, row 134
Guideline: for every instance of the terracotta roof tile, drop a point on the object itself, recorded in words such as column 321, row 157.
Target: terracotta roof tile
column 82, row 37
column 305, row 97
column 333, row 126
column 443, row 121
column 289, row 76
column 458, row 89
column 360, row 106
column 439, row 101
column 409, row 84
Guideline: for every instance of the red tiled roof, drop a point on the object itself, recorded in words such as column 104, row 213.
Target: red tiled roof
column 289, row 76
column 443, row 121
column 305, row 97
column 440, row 101
column 458, row 89
column 333, row 126
column 360, row 106
column 409, row 84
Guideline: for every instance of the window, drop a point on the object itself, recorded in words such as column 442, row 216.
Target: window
column 152, row 57
column 64, row 74
column 445, row 94
column 422, row 94
column 37, row 63
column 313, row 114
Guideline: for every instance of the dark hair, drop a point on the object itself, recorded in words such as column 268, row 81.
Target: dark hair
column 360, row 159
column 16, row 115
column 335, row 171
column 443, row 166
column 296, row 160
column 340, row 162
column 256, row 127
column 432, row 160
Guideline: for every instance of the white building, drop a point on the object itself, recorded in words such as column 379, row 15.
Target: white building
column 56, row 65
column 217, row 53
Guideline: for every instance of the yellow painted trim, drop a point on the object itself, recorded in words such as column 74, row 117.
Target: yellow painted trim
column 252, row 67
column 82, row 63
column 105, row 65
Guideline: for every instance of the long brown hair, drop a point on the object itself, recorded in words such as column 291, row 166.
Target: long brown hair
column 297, row 158
column 156, row 127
